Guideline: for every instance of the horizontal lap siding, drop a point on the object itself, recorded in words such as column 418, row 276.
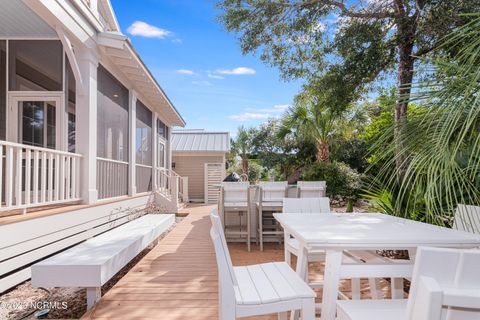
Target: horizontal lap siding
column 28, row 241
column 193, row 167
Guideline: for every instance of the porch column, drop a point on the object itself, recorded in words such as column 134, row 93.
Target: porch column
column 132, row 128
column 86, row 123
column 154, row 151
column 169, row 149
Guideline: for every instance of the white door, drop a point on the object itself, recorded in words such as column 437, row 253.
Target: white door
column 37, row 121
column 214, row 175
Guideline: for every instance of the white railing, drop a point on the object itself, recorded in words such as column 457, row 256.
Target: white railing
column 112, row 178
column 171, row 184
column 33, row 176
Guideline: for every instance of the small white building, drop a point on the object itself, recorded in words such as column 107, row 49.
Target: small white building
column 85, row 130
column 200, row 156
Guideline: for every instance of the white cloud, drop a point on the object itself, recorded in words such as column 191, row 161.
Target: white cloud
column 236, row 71
column 260, row 113
column 185, row 71
column 143, row 29
column 202, row 83
column 177, row 40
column 247, row 116
column 279, row 108
column 215, row 76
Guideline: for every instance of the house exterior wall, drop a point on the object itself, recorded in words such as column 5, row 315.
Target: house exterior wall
column 193, row 166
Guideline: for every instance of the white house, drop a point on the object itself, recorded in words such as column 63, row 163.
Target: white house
column 85, row 130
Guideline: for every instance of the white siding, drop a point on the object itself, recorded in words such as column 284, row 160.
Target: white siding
column 193, row 167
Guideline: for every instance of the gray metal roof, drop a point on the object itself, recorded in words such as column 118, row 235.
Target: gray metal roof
column 198, row 140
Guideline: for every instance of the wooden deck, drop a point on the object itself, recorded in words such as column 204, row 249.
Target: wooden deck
column 178, row 278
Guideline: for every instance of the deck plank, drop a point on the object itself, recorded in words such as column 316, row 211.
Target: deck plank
column 178, row 278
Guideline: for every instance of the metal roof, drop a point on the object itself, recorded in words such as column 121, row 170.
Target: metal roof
column 200, row 141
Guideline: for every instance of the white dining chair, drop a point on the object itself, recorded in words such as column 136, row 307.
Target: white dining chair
column 467, row 218
column 270, row 200
column 259, row 289
column 311, row 189
column 445, row 285
column 235, row 197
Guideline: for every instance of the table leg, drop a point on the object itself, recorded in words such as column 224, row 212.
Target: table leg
column 333, row 263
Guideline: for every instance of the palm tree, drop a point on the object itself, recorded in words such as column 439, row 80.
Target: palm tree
column 310, row 119
column 241, row 146
column 443, row 142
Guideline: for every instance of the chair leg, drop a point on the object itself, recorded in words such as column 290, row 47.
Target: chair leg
column 260, row 227
column 375, row 290
column 355, row 288
column 397, row 288
column 308, row 309
column 248, row 230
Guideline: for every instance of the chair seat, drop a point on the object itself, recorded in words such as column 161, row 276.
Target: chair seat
column 271, row 204
column 235, row 205
column 372, row 309
column 269, row 283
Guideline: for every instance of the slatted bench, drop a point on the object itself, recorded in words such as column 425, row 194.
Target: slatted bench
column 92, row 263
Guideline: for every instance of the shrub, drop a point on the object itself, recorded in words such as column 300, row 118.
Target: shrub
column 342, row 181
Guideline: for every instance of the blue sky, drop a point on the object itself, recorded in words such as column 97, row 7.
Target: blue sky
column 200, row 66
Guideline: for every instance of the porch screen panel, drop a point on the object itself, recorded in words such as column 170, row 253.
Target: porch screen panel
column 35, row 65
column 143, row 148
column 3, row 89
column 112, row 136
column 70, row 92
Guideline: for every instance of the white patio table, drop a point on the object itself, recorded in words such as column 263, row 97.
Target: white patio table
column 361, row 231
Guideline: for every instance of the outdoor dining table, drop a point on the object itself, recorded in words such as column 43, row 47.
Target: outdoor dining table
column 334, row 233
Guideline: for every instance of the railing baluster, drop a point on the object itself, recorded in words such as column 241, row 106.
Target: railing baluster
column 43, row 168
column 1, row 173
column 36, row 172
column 9, row 176
column 18, row 180
column 28, row 175
column 74, row 178
column 67, row 173
column 62, row 177
column 57, row 177
column 50, row 177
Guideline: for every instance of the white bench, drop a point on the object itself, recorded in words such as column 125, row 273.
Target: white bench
column 92, row 263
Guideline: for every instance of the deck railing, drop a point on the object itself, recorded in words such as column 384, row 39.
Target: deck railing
column 171, row 184
column 33, row 176
column 112, row 178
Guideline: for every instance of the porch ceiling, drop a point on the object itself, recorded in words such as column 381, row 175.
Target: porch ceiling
column 130, row 64
column 31, row 26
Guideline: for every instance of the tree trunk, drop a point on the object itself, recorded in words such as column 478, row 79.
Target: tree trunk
column 323, row 151
column 245, row 164
column 295, row 175
column 406, row 29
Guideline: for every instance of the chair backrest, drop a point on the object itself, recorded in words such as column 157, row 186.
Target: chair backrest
column 273, row 191
column 235, row 191
column 221, row 249
column 311, row 189
column 450, row 268
column 428, row 303
column 467, row 218
column 306, row 205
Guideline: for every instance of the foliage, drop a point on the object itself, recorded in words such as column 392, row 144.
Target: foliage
column 241, row 146
column 283, row 156
column 341, row 180
column 352, row 152
column 443, row 141
column 341, row 47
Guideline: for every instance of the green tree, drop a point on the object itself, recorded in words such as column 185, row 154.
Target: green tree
column 443, row 139
column 241, row 146
column 286, row 154
column 340, row 46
